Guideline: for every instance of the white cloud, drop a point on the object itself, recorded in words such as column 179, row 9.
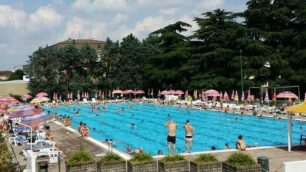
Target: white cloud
column 150, row 24
column 10, row 17
column 119, row 19
column 84, row 28
column 44, row 17
column 100, row 5
column 167, row 11
column 209, row 4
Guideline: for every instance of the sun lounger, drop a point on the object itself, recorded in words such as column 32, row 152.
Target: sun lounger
column 18, row 140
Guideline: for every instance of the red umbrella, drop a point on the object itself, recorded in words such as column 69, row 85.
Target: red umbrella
column 225, row 96
column 179, row 92
column 233, row 95
column 212, row 93
column 26, row 96
column 139, row 92
column 42, row 94
column 127, row 92
column 287, row 94
column 164, row 92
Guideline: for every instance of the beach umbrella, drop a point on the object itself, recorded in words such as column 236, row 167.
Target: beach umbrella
column 165, row 92
column 179, row 92
column 249, row 97
column 212, row 93
column 40, row 100
column 109, row 93
column 117, row 92
column 158, row 94
column 139, row 92
column 127, row 92
column 225, row 96
column 171, row 92
column 26, row 96
column 27, row 115
column 287, row 94
column 186, row 93
column 236, row 98
column 274, row 96
column 42, row 94
column 242, row 96
column 233, row 95
column 54, row 97
column 195, row 94
column 305, row 97
column 71, row 95
column 267, row 97
column 78, row 95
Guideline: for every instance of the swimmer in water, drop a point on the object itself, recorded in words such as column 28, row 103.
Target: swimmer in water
column 97, row 115
column 132, row 125
column 132, row 115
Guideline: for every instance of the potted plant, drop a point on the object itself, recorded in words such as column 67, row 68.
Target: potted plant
column 205, row 163
column 111, row 163
column 173, row 163
column 142, row 162
column 240, row 162
column 81, row 161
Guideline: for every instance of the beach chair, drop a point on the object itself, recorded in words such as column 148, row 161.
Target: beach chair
column 18, row 140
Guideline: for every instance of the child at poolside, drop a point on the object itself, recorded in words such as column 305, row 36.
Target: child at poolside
column 240, row 144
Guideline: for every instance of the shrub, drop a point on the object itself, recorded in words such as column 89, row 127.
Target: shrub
column 240, row 159
column 141, row 157
column 206, row 158
column 110, row 157
column 172, row 158
column 80, row 157
column 6, row 163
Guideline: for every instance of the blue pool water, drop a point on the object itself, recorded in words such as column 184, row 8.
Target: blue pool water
column 211, row 128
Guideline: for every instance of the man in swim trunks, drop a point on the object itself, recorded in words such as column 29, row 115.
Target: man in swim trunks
column 171, row 125
column 240, row 144
column 188, row 136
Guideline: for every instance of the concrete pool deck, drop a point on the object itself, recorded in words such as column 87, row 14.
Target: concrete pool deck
column 70, row 142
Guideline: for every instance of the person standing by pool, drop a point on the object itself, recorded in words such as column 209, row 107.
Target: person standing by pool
column 171, row 139
column 188, row 136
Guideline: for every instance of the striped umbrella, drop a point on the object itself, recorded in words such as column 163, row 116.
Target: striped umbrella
column 267, row 97
column 195, row 94
column 287, row 94
column 233, row 95
column 236, row 98
column 186, row 93
column 225, row 96
column 242, row 96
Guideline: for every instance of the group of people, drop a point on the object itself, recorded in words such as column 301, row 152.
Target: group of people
column 189, row 136
column 4, row 123
column 83, row 129
column 65, row 120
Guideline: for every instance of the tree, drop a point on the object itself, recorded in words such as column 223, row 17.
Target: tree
column 16, row 75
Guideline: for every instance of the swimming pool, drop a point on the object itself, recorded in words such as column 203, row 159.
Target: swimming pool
column 211, row 128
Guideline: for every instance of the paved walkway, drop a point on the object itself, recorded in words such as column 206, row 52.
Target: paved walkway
column 69, row 142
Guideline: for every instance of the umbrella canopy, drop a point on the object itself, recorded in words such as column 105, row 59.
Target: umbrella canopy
column 139, row 92
column 212, row 93
column 249, row 97
column 127, row 92
column 171, row 92
column 195, row 94
column 300, row 108
column 117, row 92
column 179, row 92
column 42, row 94
column 305, row 97
column 287, row 94
column 267, row 97
column 233, row 95
column 186, row 93
column 242, row 96
column 27, row 115
column 158, row 94
column 165, row 92
column 225, row 96
column 26, row 96
column 40, row 100
column 236, row 98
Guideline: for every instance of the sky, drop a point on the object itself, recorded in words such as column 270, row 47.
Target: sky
column 26, row 25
